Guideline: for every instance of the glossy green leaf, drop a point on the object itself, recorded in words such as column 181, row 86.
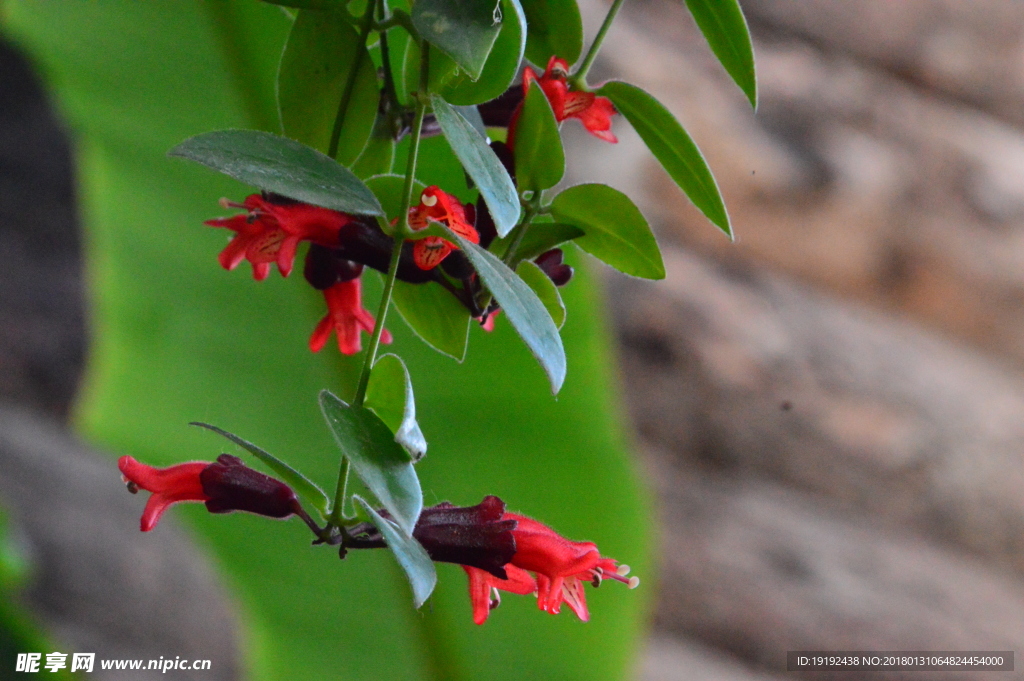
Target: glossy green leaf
column 540, row 238
column 389, row 394
column 280, row 165
column 380, row 462
column 482, row 164
column 723, row 24
column 501, row 67
column 303, row 486
column 616, row 231
column 556, row 30
column 324, row 63
column 443, row 69
column 435, row 316
column 545, row 289
column 523, row 309
column 673, row 148
column 540, row 160
column 465, row 30
column 411, row 556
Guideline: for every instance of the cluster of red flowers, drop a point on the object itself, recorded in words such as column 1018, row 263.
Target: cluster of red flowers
column 498, row 550
column 273, row 226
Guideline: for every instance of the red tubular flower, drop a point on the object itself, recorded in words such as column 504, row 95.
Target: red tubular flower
column 224, row 485
column 560, row 566
column 594, row 112
column 484, row 587
column 438, row 206
column 271, row 230
column 346, row 317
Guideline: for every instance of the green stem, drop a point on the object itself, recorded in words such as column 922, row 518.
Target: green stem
column 341, row 492
column 350, row 82
column 579, row 79
column 531, row 212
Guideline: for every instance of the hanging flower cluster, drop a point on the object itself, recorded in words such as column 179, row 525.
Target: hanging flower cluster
column 499, row 551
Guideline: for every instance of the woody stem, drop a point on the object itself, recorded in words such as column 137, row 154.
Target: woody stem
column 579, row 79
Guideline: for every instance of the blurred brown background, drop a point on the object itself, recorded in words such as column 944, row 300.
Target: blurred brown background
column 831, row 408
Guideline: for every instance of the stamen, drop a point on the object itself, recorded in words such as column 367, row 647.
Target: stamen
column 622, row 570
column 634, row 582
column 428, row 200
column 225, row 202
column 495, row 599
column 132, row 487
column 596, row 581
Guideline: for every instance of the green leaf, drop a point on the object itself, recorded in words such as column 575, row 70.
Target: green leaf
column 616, row 231
column 389, row 394
column 545, row 289
column 472, row 115
column 435, row 316
column 302, row 485
column 465, row 30
column 388, row 190
column 501, row 67
column 673, row 148
column 377, row 158
column 281, row 165
column 540, row 237
column 723, row 24
column 482, row 164
column 380, row 462
column 556, row 29
column 540, row 161
column 442, row 70
column 409, row 553
column 524, row 310
column 322, row 51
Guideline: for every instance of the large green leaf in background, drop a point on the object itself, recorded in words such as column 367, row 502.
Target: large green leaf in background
column 177, row 339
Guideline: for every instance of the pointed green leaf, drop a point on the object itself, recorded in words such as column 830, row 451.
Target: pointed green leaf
column 539, row 238
column 302, row 485
column 540, row 161
column 322, row 52
column 672, row 146
column 435, row 316
column 723, row 24
column 465, row 30
column 280, row 165
column 380, row 462
column 409, row 553
column 545, row 289
column 482, row 164
column 616, row 231
column 472, row 115
column 524, row 310
column 501, row 67
column 556, row 30
column 389, row 394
